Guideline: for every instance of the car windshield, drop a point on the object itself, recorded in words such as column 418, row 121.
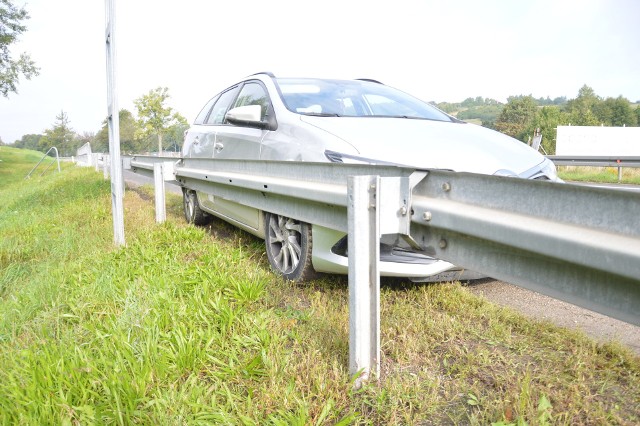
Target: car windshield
column 353, row 98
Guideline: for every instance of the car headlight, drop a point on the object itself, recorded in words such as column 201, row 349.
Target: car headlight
column 338, row 157
column 549, row 169
column 505, row 172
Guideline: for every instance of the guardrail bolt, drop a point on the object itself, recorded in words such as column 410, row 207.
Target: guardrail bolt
column 446, row 187
column 443, row 243
column 426, row 216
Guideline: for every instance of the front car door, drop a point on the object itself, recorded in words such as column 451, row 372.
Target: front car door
column 240, row 142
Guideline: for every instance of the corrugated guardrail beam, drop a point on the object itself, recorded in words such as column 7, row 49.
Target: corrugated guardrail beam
column 311, row 192
column 575, row 243
column 596, row 161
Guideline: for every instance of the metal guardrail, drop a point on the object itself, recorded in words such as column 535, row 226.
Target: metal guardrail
column 84, row 156
column 595, row 161
column 575, row 243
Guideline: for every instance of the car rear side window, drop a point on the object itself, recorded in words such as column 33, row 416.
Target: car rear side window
column 221, row 106
column 200, row 119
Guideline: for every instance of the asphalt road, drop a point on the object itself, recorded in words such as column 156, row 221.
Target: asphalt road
column 600, row 327
column 136, row 179
column 535, row 305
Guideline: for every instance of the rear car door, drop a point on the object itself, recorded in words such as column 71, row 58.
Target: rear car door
column 200, row 141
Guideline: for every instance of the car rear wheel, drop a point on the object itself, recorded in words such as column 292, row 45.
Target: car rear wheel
column 288, row 243
column 192, row 211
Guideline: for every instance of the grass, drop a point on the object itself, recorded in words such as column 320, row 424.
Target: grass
column 630, row 175
column 187, row 325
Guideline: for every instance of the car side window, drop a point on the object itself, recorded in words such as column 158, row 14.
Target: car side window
column 200, row 119
column 253, row 94
column 221, row 106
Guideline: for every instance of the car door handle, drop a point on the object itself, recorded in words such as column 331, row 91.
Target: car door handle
column 218, row 146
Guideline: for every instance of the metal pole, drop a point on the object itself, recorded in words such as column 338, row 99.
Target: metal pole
column 364, row 278
column 105, row 166
column 113, row 120
column 158, row 183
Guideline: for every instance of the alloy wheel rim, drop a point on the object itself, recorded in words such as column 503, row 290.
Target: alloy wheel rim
column 285, row 236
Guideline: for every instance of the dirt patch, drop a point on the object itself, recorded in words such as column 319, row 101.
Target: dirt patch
column 138, row 190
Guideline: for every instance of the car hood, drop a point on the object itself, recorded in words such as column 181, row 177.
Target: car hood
column 419, row 143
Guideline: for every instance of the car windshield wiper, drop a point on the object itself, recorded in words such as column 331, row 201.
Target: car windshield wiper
column 413, row 117
column 323, row 114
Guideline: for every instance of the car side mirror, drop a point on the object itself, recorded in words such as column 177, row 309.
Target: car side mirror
column 248, row 115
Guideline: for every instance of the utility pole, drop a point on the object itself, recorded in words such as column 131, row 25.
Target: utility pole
column 113, row 121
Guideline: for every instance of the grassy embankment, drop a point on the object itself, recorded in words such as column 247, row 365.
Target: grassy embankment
column 187, row 325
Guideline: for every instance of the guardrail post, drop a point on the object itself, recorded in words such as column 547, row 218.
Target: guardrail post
column 158, row 181
column 105, row 166
column 364, row 278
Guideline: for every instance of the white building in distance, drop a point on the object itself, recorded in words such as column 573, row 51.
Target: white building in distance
column 598, row 141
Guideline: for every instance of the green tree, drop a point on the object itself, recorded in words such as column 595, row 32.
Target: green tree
column 621, row 112
column 447, row 107
column 61, row 136
column 28, row 142
column 517, row 117
column 11, row 27
column 486, row 113
column 128, row 130
column 155, row 118
column 547, row 120
column 603, row 112
column 175, row 136
column 638, row 115
column 582, row 109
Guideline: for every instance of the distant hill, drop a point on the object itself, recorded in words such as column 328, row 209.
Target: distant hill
column 485, row 111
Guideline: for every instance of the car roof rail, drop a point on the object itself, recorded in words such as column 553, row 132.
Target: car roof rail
column 370, row 80
column 269, row 73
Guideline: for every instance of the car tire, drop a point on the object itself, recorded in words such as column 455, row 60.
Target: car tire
column 192, row 211
column 288, row 244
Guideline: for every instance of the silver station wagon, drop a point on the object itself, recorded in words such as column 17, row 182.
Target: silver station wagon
column 350, row 121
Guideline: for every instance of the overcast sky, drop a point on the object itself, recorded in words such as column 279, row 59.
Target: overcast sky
column 435, row 50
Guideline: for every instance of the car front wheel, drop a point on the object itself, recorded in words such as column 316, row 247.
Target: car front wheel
column 288, row 243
